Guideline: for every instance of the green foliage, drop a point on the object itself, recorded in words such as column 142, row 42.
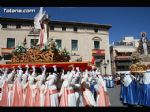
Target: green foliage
column 51, row 44
column 19, row 49
column 79, row 59
column 44, row 48
column 65, row 52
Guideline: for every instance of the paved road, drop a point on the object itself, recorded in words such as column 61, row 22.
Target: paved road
column 114, row 96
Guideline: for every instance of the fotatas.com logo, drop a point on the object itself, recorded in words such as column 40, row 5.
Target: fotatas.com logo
column 11, row 10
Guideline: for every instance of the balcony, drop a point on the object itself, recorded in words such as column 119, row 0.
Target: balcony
column 123, row 58
column 5, row 51
column 123, row 63
column 123, row 44
column 100, row 52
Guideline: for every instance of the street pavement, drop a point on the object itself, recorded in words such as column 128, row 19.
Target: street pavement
column 114, row 96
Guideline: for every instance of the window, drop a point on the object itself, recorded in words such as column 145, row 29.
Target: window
column 98, row 61
column 74, row 44
column 63, row 28
column 58, row 41
column 18, row 26
column 10, row 42
column 33, row 42
column 75, row 29
column 4, row 26
column 51, row 27
column 95, row 30
column 96, row 45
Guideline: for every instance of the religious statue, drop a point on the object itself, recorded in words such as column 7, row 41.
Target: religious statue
column 144, row 40
column 37, row 18
column 39, row 25
column 144, row 44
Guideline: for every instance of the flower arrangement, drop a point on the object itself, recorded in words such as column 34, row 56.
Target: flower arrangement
column 19, row 49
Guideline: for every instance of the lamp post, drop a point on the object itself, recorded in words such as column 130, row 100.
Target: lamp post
column 105, row 66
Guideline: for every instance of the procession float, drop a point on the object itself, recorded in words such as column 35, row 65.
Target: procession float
column 141, row 58
column 45, row 52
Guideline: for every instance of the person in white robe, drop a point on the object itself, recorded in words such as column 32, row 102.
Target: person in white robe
column 31, row 77
column 127, row 79
column 67, row 94
column 5, row 74
column 24, row 82
column 40, row 82
column 51, row 90
column 31, row 80
column 10, row 86
column 88, row 97
column 77, row 87
column 3, row 79
column 102, row 99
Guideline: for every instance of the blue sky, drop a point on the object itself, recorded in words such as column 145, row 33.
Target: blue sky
column 125, row 21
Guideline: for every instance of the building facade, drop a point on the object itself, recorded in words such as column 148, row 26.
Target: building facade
column 80, row 39
column 121, row 54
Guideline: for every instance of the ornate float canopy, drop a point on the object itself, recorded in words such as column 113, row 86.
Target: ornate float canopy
column 49, row 53
column 140, row 67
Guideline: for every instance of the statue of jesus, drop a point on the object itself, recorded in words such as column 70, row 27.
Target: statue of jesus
column 39, row 25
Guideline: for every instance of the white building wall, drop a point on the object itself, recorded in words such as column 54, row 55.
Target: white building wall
column 19, row 36
column 131, row 39
column 84, row 37
column 85, row 44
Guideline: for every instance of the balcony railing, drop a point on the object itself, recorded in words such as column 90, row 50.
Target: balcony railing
column 98, row 51
column 123, row 44
column 123, row 58
column 124, row 64
column 5, row 51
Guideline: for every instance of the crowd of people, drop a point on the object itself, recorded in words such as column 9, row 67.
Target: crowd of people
column 135, row 89
column 109, row 81
column 72, row 88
